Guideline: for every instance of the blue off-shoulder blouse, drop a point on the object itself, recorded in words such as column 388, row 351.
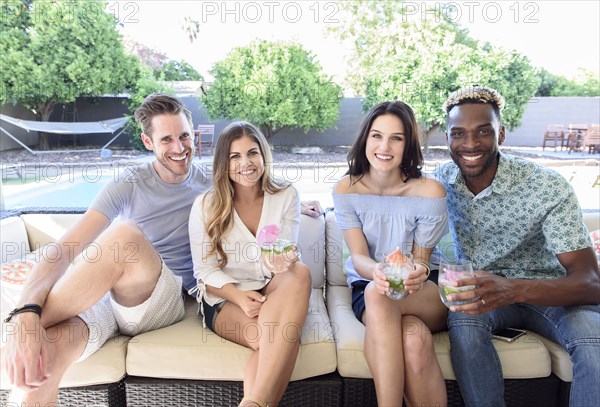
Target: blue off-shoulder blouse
column 391, row 221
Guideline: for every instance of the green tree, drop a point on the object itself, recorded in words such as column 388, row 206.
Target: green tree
column 177, row 71
column 421, row 61
column 548, row 82
column 55, row 51
column 585, row 83
column 273, row 85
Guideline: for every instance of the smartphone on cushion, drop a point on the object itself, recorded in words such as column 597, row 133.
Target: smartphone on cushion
column 509, row 334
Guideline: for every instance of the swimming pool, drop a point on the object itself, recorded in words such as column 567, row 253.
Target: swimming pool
column 58, row 185
column 76, row 186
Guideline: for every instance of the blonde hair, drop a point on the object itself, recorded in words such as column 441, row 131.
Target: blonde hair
column 218, row 203
column 475, row 94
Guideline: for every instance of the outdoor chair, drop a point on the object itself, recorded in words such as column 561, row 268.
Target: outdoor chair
column 555, row 133
column 574, row 140
column 205, row 137
column 591, row 139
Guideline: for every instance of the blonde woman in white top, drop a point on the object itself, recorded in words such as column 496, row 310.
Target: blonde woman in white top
column 236, row 289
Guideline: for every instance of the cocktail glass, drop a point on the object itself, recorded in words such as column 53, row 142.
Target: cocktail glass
column 396, row 273
column 451, row 272
column 279, row 255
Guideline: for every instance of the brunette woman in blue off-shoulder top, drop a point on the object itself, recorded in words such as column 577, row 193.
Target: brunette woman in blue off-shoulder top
column 382, row 203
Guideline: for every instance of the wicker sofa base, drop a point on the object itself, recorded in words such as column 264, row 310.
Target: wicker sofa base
column 543, row 392
column 105, row 395
column 142, row 391
column 329, row 391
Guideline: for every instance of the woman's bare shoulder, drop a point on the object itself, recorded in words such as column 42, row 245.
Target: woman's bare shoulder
column 427, row 187
column 343, row 186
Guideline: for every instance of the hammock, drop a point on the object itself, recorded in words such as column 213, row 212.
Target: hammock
column 104, row 126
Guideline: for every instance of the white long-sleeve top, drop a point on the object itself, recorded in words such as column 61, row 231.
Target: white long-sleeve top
column 244, row 268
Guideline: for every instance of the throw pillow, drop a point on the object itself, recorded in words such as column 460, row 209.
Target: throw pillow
column 13, row 277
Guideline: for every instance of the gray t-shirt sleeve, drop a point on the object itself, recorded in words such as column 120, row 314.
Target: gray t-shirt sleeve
column 112, row 199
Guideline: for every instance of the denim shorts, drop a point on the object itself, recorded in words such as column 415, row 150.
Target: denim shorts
column 211, row 312
column 358, row 297
column 358, row 294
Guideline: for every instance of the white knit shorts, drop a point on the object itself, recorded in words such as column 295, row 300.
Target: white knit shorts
column 107, row 318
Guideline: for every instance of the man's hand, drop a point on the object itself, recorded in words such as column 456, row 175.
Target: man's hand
column 25, row 360
column 250, row 302
column 492, row 291
column 311, row 208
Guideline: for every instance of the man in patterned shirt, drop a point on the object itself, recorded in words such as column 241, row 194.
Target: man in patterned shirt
column 520, row 224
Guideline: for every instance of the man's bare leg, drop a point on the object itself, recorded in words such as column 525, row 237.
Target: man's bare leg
column 122, row 261
column 125, row 263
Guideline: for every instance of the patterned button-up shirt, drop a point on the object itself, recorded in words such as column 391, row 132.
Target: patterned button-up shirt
column 516, row 226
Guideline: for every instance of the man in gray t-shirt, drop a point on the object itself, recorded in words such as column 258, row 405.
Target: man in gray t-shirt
column 135, row 284
column 160, row 209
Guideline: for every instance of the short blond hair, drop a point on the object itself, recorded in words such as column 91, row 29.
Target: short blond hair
column 475, row 94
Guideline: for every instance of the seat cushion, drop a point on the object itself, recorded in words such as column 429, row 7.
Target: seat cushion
column 525, row 358
column 103, row 367
column 560, row 360
column 591, row 219
column 312, row 247
column 13, row 239
column 337, row 252
column 186, row 350
column 47, row 228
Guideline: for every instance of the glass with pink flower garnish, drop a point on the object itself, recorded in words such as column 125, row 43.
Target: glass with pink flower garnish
column 450, row 272
column 277, row 252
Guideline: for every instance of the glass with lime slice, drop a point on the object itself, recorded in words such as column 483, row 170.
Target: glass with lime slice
column 396, row 273
column 279, row 255
column 450, row 273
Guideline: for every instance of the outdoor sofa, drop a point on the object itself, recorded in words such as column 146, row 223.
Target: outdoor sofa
column 187, row 365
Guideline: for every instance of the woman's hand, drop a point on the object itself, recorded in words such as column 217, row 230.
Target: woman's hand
column 250, row 302
column 416, row 278
column 381, row 284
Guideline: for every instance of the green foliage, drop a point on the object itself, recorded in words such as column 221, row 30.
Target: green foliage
column 548, row 82
column 177, row 71
column 421, row 61
column 586, row 83
column 55, row 51
column 145, row 85
column 273, row 84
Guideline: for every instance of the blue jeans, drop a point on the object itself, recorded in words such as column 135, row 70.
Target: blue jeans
column 477, row 366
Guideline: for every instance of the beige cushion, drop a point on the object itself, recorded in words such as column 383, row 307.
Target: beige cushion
column 105, row 366
column 559, row 358
column 591, row 219
column 525, row 358
column 312, row 247
column 186, row 350
column 13, row 239
column 47, row 228
column 335, row 252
